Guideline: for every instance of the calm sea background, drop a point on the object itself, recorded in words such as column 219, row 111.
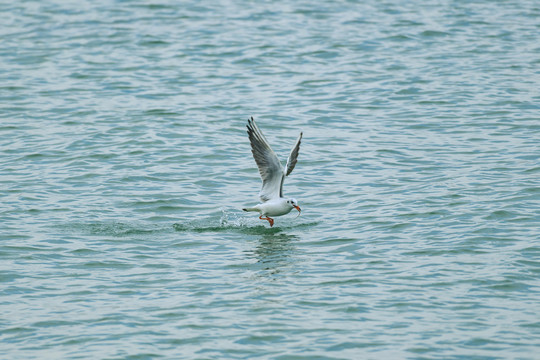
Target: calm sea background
column 124, row 164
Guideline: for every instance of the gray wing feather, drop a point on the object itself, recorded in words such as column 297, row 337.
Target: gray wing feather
column 268, row 163
column 293, row 157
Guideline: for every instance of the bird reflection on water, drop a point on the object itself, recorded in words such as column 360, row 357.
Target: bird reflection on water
column 274, row 252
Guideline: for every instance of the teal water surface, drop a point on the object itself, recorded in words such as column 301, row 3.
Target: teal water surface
column 125, row 164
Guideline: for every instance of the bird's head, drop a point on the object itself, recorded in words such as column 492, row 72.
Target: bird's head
column 293, row 203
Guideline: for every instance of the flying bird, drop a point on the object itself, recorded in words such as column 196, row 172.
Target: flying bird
column 272, row 174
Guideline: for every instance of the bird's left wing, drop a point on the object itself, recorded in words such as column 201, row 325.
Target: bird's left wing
column 267, row 162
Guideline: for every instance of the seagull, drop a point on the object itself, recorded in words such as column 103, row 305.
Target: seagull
column 271, row 195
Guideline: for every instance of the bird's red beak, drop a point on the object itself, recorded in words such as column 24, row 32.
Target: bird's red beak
column 297, row 208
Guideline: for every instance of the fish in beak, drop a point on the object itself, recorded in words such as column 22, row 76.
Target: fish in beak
column 297, row 208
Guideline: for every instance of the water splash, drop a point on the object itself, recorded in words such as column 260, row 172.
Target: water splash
column 224, row 217
column 231, row 220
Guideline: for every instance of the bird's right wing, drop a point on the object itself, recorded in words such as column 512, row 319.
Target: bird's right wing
column 268, row 163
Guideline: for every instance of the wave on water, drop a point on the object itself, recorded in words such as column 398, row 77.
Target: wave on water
column 114, row 228
column 228, row 221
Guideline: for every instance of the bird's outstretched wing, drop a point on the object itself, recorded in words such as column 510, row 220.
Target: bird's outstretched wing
column 270, row 169
column 293, row 157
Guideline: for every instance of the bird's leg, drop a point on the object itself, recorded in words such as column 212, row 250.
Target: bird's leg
column 270, row 220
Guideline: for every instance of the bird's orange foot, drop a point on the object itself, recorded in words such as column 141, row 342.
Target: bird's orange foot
column 270, row 220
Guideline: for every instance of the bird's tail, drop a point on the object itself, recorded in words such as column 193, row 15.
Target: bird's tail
column 250, row 209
